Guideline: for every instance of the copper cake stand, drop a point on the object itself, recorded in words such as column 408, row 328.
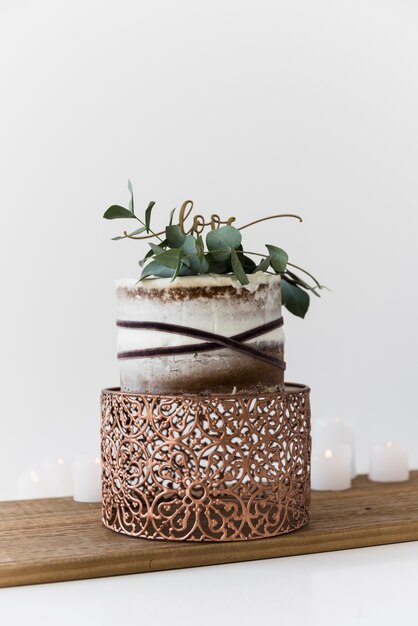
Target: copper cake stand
column 206, row 468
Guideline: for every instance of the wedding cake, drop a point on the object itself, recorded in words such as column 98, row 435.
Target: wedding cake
column 161, row 351
column 203, row 441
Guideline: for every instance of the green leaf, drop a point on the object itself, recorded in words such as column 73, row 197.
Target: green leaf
column 247, row 263
column 156, row 269
column 297, row 279
column 204, row 266
column 189, row 245
column 237, row 268
column 200, row 248
column 216, row 267
column 224, row 237
column 220, row 255
column 263, row 265
column 175, row 236
column 220, row 241
column 116, row 212
column 151, row 253
column 131, row 201
column 171, row 216
column 155, row 249
column 177, row 269
column 148, row 216
column 169, row 258
column 118, row 237
column 190, row 251
column 294, row 298
column 198, row 264
column 138, row 231
column 279, row 259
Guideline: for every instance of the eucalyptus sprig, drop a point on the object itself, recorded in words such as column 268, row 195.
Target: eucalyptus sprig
column 180, row 251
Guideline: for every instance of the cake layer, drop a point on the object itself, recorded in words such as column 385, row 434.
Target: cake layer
column 184, row 285
column 223, row 372
column 216, row 304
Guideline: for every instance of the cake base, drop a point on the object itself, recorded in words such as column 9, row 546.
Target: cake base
column 208, row 467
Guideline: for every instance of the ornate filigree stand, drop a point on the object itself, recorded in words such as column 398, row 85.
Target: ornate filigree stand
column 206, row 468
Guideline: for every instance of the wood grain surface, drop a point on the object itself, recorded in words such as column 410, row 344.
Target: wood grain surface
column 58, row 539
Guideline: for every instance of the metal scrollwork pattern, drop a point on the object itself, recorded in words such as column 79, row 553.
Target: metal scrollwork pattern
column 206, row 468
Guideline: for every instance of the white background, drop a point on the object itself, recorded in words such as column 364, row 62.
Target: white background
column 366, row 587
column 247, row 107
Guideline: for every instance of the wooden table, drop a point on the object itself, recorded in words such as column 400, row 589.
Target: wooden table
column 58, row 539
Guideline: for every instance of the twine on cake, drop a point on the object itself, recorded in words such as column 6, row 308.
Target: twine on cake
column 212, row 341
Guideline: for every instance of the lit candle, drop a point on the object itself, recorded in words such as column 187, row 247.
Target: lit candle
column 328, row 432
column 56, row 476
column 389, row 463
column 331, row 470
column 29, row 486
column 87, row 484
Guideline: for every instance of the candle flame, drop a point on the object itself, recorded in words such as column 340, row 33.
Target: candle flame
column 34, row 476
column 328, row 454
column 389, row 444
column 97, row 460
column 60, row 461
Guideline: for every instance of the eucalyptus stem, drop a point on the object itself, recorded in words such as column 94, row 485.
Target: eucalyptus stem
column 318, row 285
column 254, row 253
column 307, row 273
column 149, row 229
column 296, row 280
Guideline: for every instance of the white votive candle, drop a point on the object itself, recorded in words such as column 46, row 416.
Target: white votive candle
column 331, row 470
column 57, row 477
column 327, row 432
column 389, row 463
column 87, row 483
column 29, row 485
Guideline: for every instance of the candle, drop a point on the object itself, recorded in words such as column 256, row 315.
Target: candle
column 388, row 463
column 331, row 469
column 87, row 484
column 328, row 432
column 29, row 486
column 56, row 476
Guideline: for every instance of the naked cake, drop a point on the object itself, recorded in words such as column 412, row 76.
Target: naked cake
column 205, row 314
column 155, row 361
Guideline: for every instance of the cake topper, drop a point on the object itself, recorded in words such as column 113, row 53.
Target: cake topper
column 180, row 251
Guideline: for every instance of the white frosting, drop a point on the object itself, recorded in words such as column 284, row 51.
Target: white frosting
column 203, row 280
column 226, row 315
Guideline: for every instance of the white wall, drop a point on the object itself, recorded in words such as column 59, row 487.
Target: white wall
column 246, row 107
